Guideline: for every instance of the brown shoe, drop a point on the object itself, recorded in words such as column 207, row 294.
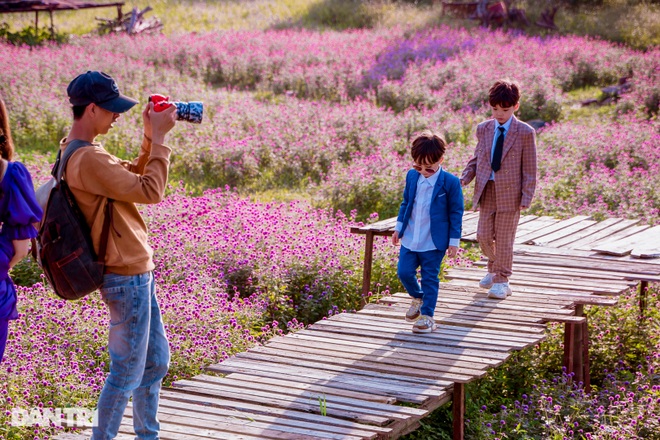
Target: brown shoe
column 425, row 324
column 413, row 312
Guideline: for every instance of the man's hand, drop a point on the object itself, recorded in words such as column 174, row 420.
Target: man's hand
column 452, row 251
column 395, row 238
column 161, row 123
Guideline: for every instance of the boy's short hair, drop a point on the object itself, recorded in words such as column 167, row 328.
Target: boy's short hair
column 428, row 148
column 504, row 93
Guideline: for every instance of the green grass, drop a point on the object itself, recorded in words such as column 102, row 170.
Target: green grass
column 572, row 109
column 633, row 22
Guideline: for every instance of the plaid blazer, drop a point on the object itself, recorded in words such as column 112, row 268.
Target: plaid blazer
column 515, row 182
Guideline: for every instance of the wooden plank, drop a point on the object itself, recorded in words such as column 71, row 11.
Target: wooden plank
column 632, row 230
column 613, row 287
column 537, row 294
column 305, row 404
column 583, row 259
column 470, row 233
column 591, row 231
column 591, row 274
column 402, row 383
column 179, row 398
column 564, row 233
column 458, row 359
column 402, row 393
column 187, row 423
column 442, row 360
column 595, row 261
column 396, row 324
column 383, row 358
column 576, row 297
column 276, row 356
column 535, row 236
column 434, row 337
column 199, row 415
column 477, row 320
column 293, row 384
column 534, row 225
column 625, row 245
column 324, row 385
column 249, row 385
column 608, row 228
column 416, row 344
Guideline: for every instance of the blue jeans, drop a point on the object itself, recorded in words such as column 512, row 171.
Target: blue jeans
column 139, row 356
column 429, row 262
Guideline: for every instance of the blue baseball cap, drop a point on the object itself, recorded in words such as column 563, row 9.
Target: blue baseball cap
column 98, row 88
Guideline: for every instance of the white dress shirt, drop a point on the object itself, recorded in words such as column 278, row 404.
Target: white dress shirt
column 417, row 236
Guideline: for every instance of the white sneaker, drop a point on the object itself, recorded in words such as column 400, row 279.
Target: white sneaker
column 499, row 291
column 425, row 324
column 487, row 281
column 413, row 312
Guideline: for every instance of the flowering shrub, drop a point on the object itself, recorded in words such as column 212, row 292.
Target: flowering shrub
column 560, row 408
column 602, row 170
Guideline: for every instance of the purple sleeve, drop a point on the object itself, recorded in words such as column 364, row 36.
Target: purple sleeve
column 22, row 207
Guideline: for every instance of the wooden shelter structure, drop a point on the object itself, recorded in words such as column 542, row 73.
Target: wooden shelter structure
column 50, row 6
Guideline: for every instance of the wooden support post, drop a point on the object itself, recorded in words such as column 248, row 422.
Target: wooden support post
column 643, row 287
column 366, row 271
column 585, row 357
column 458, row 409
column 120, row 14
column 576, row 349
column 36, row 22
column 52, row 27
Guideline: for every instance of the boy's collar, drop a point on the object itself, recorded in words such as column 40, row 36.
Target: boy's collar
column 506, row 125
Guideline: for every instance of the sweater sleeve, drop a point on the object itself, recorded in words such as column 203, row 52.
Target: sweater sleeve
column 98, row 172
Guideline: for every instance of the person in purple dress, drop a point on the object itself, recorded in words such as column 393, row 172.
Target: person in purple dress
column 18, row 211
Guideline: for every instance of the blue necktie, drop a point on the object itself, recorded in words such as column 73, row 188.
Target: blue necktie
column 497, row 154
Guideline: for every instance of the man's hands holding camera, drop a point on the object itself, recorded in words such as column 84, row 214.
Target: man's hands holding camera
column 157, row 124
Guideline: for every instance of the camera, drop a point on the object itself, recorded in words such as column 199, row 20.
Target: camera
column 185, row 111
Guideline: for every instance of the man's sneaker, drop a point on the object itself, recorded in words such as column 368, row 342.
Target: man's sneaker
column 413, row 312
column 499, row 291
column 487, row 281
column 425, row 324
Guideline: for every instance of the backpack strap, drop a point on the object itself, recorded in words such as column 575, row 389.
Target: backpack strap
column 103, row 244
column 60, row 162
column 58, row 172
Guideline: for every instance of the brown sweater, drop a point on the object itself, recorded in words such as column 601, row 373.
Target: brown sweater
column 94, row 175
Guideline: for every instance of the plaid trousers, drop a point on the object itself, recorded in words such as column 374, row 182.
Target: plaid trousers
column 496, row 233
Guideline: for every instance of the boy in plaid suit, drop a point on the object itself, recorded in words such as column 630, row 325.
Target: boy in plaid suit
column 504, row 169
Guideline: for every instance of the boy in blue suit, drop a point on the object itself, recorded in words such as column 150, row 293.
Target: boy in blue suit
column 429, row 224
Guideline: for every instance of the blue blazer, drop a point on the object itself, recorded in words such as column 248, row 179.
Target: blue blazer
column 446, row 207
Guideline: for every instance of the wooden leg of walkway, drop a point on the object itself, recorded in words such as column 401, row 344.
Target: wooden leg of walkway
column 576, row 350
column 458, row 408
column 643, row 287
column 366, row 269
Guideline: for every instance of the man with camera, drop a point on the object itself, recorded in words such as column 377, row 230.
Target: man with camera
column 138, row 346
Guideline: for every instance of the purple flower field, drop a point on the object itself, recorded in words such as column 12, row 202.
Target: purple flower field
column 328, row 117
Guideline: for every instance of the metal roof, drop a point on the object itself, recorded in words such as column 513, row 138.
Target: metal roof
column 7, row 6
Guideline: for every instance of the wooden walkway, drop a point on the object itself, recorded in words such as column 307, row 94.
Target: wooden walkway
column 347, row 377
